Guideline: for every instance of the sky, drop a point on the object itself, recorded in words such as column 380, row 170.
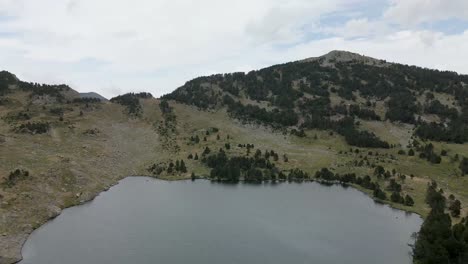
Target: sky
column 118, row 46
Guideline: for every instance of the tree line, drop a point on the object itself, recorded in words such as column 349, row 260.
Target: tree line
column 347, row 128
column 438, row 241
column 131, row 101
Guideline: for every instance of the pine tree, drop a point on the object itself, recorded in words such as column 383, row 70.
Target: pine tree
column 408, row 200
column 464, row 166
column 192, row 176
column 183, row 168
column 455, row 208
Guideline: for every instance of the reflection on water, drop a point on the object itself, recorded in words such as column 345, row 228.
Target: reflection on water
column 143, row 220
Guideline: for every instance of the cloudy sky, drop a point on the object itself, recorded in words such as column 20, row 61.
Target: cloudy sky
column 118, row 46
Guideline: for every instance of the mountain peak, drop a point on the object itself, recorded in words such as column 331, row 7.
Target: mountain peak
column 335, row 56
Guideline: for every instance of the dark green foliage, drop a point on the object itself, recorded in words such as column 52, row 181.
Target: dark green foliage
column 143, row 95
column 349, row 178
column 177, row 167
column 86, row 100
column 435, row 199
column 206, row 151
column 131, row 101
column 402, row 107
column 379, row 171
column 347, row 128
column 56, row 111
column 195, row 139
column 4, row 88
column 409, row 200
column 15, row 117
column 195, row 93
column 6, row 79
column 255, row 169
column 318, row 107
column 464, row 166
column 253, row 113
column 427, row 152
column 455, row 208
column 456, row 131
column 437, row 241
column 165, row 107
column 397, row 198
column 15, row 176
column 314, row 89
column 363, row 139
column 180, row 166
column 157, row 169
column 298, row 133
column 379, row 194
column 325, row 175
column 394, row 186
column 44, row 89
column 363, row 113
column 298, row 175
column 443, row 111
column 33, row 128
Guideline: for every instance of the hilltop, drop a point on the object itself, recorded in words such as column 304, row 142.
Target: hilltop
column 386, row 129
column 93, row 95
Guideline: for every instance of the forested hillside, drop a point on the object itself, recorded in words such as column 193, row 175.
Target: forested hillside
column 335, row 91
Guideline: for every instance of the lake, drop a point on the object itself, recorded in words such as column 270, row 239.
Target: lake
column 143, row 220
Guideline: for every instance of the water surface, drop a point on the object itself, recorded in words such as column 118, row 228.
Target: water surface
column 143, row 220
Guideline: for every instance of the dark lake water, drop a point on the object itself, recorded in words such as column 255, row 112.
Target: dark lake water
column 143, row 220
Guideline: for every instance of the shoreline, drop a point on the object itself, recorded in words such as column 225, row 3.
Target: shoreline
column 89, row 199
column 27, row 234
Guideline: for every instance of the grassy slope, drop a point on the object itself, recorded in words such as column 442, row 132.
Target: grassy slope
column 310, row 154
column 68, row 167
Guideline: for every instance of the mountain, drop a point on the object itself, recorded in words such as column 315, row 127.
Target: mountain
column 315, row 93
column 387, row 129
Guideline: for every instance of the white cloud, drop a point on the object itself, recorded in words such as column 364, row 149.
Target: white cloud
column 359, row 27
column 113, row 46
column 414, row 12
